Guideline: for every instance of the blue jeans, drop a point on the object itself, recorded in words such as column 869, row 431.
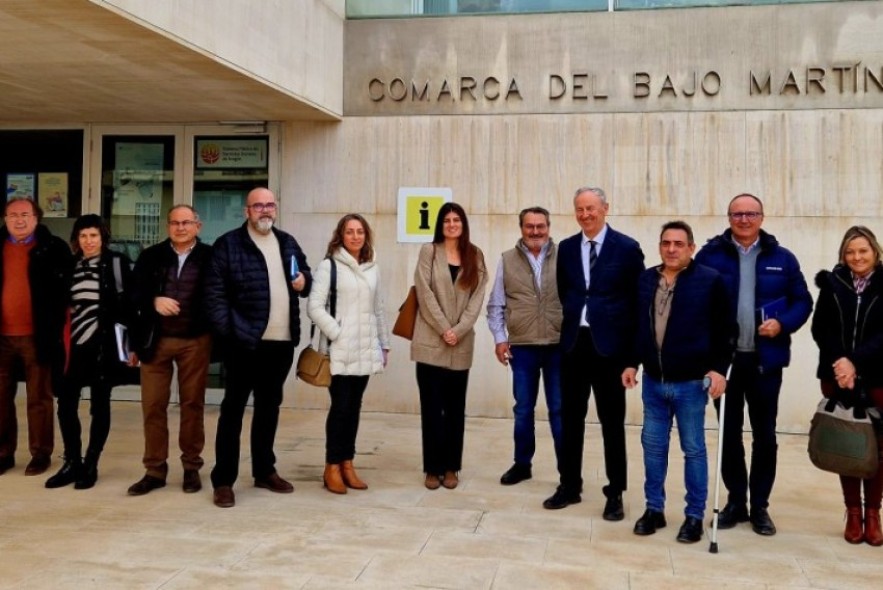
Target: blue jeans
column 685, row 401
column 527, row 362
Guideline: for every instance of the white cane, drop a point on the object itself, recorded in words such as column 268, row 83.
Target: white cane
column 717, row 478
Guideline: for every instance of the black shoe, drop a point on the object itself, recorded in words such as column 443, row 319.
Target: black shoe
column 66, row 475
column 649, row 522
column 192, row 482
column 89, row 473
column 38, row 465
column 145, row 485
column 731, row 515
column 516, row 474
column 6, row 463
column 691, row 531
column 88, row 476
column 613, row 508
column 561, row 499
column 761, row 523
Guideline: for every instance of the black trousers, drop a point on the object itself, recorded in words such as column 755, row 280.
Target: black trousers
column 342, row 424
column 584, row 370
column 759, row 391
column 83, row 372
column 261, row 371
column 442, row 417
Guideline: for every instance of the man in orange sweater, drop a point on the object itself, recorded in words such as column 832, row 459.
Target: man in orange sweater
column 35, row 269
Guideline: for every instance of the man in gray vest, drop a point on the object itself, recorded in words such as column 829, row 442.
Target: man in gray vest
column 524, row 315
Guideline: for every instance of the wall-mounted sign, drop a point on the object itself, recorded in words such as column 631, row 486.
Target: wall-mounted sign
column 231, row 153
column 53, row 193
column 20, row 185
column 418, row 208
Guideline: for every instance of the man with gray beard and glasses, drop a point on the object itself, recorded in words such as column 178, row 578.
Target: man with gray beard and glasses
column 256, row 275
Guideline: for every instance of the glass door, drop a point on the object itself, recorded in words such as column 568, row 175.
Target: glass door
column 140, row 172
column 225, row 169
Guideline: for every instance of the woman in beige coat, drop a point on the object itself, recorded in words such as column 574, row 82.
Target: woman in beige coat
column 450, row 282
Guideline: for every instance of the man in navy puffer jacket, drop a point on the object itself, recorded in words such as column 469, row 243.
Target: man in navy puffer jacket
column 255, row 277
column 770, row 302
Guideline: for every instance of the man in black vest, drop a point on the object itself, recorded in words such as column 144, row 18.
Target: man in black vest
column 173, row 329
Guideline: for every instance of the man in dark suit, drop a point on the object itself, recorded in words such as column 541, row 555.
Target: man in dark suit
column 598, row 271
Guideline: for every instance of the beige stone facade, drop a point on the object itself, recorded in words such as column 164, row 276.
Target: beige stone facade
column 671, row 111
column 809, row 143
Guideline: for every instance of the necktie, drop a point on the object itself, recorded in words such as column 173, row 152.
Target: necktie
column 593, row 258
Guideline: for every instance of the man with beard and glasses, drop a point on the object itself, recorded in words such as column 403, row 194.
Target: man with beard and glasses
column 255, row 277
column 524, row 315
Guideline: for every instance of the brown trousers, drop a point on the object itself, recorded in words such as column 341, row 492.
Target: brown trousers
column 191, row 355
column 38, row 382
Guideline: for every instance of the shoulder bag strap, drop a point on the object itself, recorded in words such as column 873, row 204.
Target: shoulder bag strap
column 332, row 298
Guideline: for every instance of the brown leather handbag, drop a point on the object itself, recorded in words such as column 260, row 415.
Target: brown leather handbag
column 314, row 367
column 404, row 325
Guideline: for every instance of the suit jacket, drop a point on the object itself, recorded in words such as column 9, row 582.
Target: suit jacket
column 611, row 296
column 443, row 305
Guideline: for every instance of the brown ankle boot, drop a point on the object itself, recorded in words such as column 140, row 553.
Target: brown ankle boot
column 350, row 477
column 873, row 534
column 853, row 532
column 332, row 479
column 450, row 480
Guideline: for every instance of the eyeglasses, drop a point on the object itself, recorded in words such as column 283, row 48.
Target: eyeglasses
column 186, row 223
column 747, row 215
column 260, row 207
column 17, row 216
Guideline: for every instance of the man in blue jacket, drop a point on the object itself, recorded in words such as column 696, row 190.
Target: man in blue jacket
column 685, row 342
column 770, row 301
column 256, row 274
column 597, row 272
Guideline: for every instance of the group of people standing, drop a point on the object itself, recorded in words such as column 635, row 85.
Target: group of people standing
column 582, row 316
column 700, row 328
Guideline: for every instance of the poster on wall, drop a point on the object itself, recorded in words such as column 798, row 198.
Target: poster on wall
column 20, row 185
column 137, row 176
column 231, row 153
column 418, row 208
column 52, row 192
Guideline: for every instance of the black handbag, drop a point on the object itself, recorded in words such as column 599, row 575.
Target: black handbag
column 842, row 440
column 313, row 366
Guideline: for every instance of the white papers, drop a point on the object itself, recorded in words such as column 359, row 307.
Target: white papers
column 122, row 338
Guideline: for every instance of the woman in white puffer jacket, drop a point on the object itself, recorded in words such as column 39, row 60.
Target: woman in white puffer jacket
column 358, row 338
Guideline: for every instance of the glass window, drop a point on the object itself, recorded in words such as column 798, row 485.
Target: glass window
column 225, row 169
column 136, row 189
column 377, row 8
column 387, row 8
column 635, row 4
column 46, row 165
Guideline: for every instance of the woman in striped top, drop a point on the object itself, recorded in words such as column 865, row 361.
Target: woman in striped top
column 98, row 302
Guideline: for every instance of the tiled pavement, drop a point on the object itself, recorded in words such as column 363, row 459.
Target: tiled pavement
column 397, row 534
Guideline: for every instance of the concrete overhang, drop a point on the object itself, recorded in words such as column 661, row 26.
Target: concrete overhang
column 74, row 61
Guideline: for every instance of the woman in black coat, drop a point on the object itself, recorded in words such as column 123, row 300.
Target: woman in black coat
column 98, row 302
column 848, row 327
